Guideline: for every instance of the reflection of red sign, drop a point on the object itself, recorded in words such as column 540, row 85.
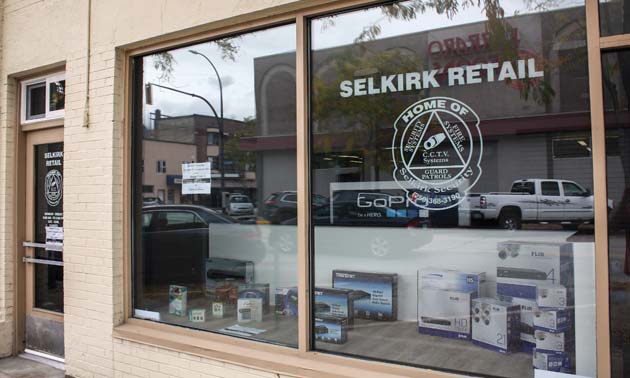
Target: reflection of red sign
column 470, row 44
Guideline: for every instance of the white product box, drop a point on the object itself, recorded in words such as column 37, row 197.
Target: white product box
column 552, row 296
column 522, row 266
column 445, row 313
column 447, row 279
column 496, row 325
column 551, row 362
column 197, row 315
column 249, row 309
column 177, row 300
column 552, row 343
column 553, row 321
column 218, row 309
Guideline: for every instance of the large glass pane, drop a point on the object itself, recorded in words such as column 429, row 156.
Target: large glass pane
column 616, row 81
column 451, row 153
column 612, row 18
column 215, row 236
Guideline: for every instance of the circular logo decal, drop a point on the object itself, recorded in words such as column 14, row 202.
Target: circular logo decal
column 437, row 149
column 53, row 189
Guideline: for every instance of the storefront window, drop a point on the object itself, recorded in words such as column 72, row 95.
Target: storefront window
column 214, row 241
column 616, row 85
column 455, row 227
column 612, row 19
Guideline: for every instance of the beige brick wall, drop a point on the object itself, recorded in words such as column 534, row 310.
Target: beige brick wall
column 36, row 34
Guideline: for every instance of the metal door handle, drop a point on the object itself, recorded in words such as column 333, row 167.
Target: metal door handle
column 48, row 246
column 42, row 261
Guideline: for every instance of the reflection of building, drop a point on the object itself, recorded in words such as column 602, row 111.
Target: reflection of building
column 173, row 141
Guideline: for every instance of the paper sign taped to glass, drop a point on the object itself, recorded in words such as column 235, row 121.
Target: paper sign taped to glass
column 197, row 178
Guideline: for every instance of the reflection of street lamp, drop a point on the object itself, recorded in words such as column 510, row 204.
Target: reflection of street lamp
column 221, row 144
column 149, row 101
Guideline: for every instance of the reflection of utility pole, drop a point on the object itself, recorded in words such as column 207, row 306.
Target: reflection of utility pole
column 149, row 100
column 221, row 142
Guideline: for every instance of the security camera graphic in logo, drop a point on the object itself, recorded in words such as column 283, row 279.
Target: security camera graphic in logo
column 53, row 187
column 437, row 149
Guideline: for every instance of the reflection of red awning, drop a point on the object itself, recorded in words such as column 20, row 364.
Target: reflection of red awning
column 489, row 128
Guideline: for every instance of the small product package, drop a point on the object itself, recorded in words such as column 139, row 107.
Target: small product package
column 553, row 343
column 558, row 362
column 249, row 310
column 197, row 315
column 551, row 296
column 331, row 329
column 177, row 300
column 253, row 290
column 554, row 321
column 335, row 303
column 286, row 301
column 496, row 325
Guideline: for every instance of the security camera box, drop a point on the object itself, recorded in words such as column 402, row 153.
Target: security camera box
column 249, row 310
column 553, row 321
column 177, row 300
column 447, row 279
column 552, row 296
column 335, row 303
column 556, row 362
column 528, row 309
column 331, row 329
column 286, row 301
column 496, row 325
column 256, row 290
column 375, row 294
column 554, row 343
column 222, row 270
column 445, row 313
column 522, row 266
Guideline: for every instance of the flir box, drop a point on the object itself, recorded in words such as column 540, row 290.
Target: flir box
column 553, row 321
column 335, row 303
column 552, row 296
column 331, row 329
column 551, row 362
column 261, row 291
column 445, row 313
column 455, row 280
column 553, row 343
column 523, row 266
column 496, row 325
column 220, row 271
column 287, row 301
column 375, row 294
column 528, row 308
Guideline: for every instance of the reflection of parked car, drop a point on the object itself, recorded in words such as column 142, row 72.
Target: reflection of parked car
column 532, row 200
column 148, row 201
column 239, row 204
column 281, row 206
column 176, row 242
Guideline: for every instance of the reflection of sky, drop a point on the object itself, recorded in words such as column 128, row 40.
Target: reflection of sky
column 192, row 73
column 343, row 29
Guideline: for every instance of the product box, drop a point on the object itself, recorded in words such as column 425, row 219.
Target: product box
column 197, row 315
column 551, row 362
column 552, row 296
column 257, row 290
column 286, row 301
column 331, row 329
column 376, row 294
column 523, row 266
column 177, row 300
column 528, row 309
column 445, row 313
column 218, row 310
column 553, row 343
column 249, row 310
column 496, row 325
column 335, row 303
column 221, row 272
column 553, row 321
column 446, row 279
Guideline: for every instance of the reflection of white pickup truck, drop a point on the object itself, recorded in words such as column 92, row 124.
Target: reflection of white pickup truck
column 531, row 200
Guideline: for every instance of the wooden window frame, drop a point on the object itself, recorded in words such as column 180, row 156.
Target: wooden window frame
column 304, row 360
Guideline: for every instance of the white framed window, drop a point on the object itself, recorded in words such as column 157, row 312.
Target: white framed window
column 43, row 98
column 161, row 166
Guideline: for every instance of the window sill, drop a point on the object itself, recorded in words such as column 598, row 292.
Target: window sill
column 257, row 355
column 44, row 123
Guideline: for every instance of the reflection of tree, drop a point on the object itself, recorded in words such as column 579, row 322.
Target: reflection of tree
column 243, row 160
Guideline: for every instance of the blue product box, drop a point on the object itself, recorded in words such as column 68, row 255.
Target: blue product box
column 334, row 303
column 553, row 321
column 551, row 362
column 330, row 329
column 255, row 291
column 287, row 301
column 375, row 294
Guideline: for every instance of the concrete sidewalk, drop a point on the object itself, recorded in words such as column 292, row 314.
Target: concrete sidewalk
column 18, row 367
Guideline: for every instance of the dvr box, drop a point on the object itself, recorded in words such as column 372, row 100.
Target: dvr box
column 446, row 279
column 331, row 329
column 287, row 301
column 553, row 321
column 249, row 310
column 554, row 343
column 250, row 291
column 522, row 266
column 552, row 296
column 528, row 309
column 177, row 300
column 551, row 362
column 335, row 303
column 376, row 294
column 221, row 270
column 496, row 325
column 445, row 313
